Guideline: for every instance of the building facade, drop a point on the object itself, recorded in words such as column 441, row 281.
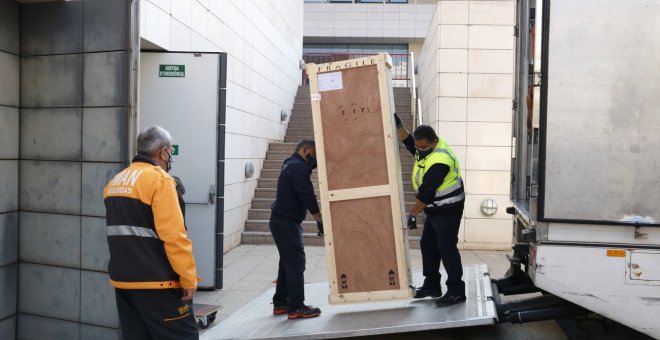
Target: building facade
column 67, row 111
column 466, row 90
column 464, row 78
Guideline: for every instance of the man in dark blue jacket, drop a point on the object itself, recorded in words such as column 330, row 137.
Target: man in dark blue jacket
column 295, row 195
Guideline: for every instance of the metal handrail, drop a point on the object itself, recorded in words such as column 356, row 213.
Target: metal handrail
column 416, row 102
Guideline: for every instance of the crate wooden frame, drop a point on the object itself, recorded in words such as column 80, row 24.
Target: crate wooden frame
column 393, row 190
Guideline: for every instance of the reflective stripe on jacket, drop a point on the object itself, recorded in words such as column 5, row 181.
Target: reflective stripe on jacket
column 451, row 190
column 149, row 247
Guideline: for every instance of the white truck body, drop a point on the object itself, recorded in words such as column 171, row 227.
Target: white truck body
column 585, row 183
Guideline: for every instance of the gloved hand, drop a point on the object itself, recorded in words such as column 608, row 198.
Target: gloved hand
column 397, row 120
column 319, row 226
column 412, row 222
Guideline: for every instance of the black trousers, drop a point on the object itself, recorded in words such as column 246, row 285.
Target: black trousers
column 438, row 243
column 290, row 288
column 155, row 314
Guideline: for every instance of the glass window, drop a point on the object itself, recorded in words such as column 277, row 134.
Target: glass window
column 356, row 48
column 316, row 48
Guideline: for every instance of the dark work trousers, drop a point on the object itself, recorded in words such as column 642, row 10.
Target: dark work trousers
column 438, row 243
column 155, row 314
column 290, row 275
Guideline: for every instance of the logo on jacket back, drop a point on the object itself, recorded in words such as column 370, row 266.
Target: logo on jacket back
column 124, row 181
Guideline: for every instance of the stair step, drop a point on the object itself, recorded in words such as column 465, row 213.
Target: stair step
column 248, row 237
column 307, row 133
column 280, row 146
column 279, row 156
column 256, row 215
column 275, row 162
column 409, row 196
column 275, row 173
column 266, row 238
column 265, row 203
column 271, row 183
column 309, row 227
column 263, row 215
column 300, row 127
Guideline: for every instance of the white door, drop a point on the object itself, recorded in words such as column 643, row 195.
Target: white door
column 179, row 91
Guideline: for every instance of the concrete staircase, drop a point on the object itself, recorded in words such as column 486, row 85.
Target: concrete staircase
column 300, row 126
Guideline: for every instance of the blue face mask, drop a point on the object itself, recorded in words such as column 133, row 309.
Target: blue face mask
column 311, row 161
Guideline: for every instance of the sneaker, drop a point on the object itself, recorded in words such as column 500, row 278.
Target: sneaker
column 280, row 309
column 425, row 292
column 304, row 312
column 448, row 300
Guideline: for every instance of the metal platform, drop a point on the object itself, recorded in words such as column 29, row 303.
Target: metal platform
column 256, row 321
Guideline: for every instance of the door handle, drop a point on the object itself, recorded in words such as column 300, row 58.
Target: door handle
column 212, row 194
column 210, row 200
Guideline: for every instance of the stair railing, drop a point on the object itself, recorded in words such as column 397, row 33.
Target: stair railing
column 416, row 103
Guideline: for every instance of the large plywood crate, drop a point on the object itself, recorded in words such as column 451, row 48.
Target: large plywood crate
column 360, row 180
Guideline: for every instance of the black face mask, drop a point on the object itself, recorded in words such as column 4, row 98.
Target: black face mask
column 311, row 161
column 423, row 154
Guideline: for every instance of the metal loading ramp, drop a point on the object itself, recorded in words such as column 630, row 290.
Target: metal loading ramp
column 256, row 321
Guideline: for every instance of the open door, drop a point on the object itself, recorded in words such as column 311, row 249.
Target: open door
column 185, row 94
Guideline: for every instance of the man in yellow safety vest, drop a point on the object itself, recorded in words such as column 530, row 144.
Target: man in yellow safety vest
column 438, row 186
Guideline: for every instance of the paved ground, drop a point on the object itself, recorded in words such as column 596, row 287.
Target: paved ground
column 251, row 269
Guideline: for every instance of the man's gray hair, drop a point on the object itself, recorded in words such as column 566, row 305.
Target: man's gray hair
column 152, row 139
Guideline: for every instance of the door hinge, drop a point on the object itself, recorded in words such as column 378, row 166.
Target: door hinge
column 516, row 30
column 514, row 105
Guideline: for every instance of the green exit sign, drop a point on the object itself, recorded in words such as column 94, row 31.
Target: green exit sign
column 175, row 149
column 172, row 71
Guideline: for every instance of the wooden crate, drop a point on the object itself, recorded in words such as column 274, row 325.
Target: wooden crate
column 360, row 180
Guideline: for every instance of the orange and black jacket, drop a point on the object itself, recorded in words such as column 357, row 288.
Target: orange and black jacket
column 149, row 247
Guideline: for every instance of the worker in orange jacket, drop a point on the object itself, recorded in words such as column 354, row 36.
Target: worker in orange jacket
column 151, row 261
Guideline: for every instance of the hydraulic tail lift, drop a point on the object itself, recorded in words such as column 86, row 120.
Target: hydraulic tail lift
column 482, row 307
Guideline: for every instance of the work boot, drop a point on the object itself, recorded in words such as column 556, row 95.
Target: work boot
column 449, row 299
column 280, row 308
column 304, row 312
column 427, row 292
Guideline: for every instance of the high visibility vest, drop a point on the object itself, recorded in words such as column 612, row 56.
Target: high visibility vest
column 442, row 154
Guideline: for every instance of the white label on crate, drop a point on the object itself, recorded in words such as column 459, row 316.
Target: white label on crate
column 330, row 81
column 316, row 96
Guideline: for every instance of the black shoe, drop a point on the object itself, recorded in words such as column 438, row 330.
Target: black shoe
column 320, row 234
column 448, row 300
column 304, row 312
column 425, row 292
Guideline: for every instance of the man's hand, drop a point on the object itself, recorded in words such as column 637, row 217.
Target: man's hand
column 188, row 294
column 319, row 226
column 397, row 120
column 412, row 222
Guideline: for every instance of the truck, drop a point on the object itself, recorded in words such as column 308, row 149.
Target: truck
column 584, row 184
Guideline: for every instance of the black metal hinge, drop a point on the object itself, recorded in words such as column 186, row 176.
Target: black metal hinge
column 516, row 30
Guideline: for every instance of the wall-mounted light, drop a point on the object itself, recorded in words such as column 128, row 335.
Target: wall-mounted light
column 249, row 170
column 489, row 207
column 283, row 115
